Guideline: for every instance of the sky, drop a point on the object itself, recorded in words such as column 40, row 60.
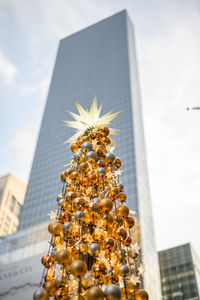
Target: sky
column 168, row 46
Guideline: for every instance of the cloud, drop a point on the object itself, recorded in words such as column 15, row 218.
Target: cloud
column 7, row 69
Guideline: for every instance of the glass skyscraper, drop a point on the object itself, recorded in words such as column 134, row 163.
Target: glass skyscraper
column 99, row 60
column 180, row 273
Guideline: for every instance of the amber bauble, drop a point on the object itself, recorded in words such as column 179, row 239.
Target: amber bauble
column 99, row 269
column 100, row 150
column 88, row 280
column 95, row 293
column 109, row 243
column 63, row 257
column 106, row 205
column 78, row 268
column 132, row 254
column 113, row 292
column 114, row 191
column 127, row 242
column 74, row 147
column 64, row 217
column 105, row 140
column 141, row 295
column 51, row 287
column 105, row 131
column 55, row 228
column 62, row 177
column 129, row 222
column 94, row 207
column 41, row 294
column 120, row 187
column 70, row 196
column 119, row 220
column 117, row 162
column 122, row 233
column 123, row 210
column 48, row 261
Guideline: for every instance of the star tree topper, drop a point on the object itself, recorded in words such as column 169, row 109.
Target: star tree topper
column 88, row 120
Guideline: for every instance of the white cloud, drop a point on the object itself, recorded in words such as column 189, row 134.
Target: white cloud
column 7, row 69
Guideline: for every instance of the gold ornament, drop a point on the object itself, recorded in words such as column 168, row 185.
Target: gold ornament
column 141, row 295
column 63, row 257
column 78, row 268
column 95, row 293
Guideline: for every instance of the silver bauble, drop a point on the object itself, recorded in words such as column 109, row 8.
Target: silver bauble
column 113, row 292
column 77, row 156
column 87, row 147
column 109, row 157
column 79, row 215
column 67, row 227
column 41, row 294
column 123, row 270
column 94, row 249
column 91, row 156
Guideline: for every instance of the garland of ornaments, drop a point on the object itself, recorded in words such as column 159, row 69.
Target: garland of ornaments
column 91, row 254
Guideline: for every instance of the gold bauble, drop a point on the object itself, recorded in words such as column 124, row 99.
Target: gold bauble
column 100, row 150
column 120, row 187
column 114, row 191
column 106, row 205
column 78, row 268
column 83, row 167
column 141, row 295
column 40, row 294
column 63, row 257
column 48, row 261
column 101, row 163
column 88, row 280
column 123, row 210
column 130, row 287
column 55, row 228
column 83, row 248
column 74, row 176
column 79, row 203
column 132, row 254
column 95, row 293
column 51, row 287
column 108, row 220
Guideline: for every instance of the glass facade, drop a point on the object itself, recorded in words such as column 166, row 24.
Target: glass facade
column 178, row 274
column 99, row 60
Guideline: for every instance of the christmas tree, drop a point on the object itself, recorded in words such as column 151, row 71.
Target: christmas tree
column 91, row 254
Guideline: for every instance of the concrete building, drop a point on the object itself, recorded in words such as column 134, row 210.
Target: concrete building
column 99, row 60
column 180, row 273
column 12, row 194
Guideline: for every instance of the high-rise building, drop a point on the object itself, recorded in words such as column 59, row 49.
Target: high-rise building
column 99, row 60
column 180, row 273
column 12, row 193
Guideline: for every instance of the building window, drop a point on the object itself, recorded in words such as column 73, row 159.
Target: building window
column 17, row 209
column 12, row 203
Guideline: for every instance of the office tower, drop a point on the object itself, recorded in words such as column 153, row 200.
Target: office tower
column 180, row 273
column 12, row 193
column 99, row 60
